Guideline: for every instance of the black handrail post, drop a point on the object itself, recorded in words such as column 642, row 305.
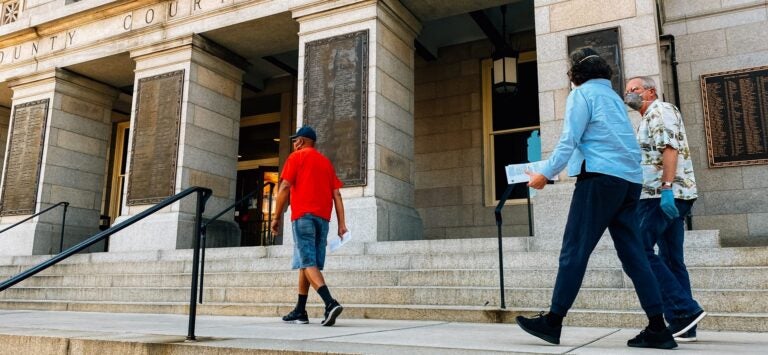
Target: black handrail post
column 63, row 221
column 203, row 229
column 202, row 197
column 204, row 232
column 530, row 212
column 497, row 213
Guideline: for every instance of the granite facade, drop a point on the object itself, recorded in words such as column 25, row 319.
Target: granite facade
column 715, row 36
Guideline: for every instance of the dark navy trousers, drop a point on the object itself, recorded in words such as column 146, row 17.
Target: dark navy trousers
column 668, row 265
column 603, row 202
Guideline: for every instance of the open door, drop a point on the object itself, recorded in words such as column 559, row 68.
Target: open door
column 120, row 161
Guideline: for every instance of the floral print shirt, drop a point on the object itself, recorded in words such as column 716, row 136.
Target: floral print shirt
column 661, row 126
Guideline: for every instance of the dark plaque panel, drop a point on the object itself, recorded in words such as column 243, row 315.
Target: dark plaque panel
column 335, row 101
column 152, row 173
column 736, row 116
column 606, row 44
column 22, row 172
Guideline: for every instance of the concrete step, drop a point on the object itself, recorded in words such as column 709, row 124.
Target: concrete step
column 701, row 278
column 738, row 301
column 725, row 257
column 749, row 322
column 694, row 240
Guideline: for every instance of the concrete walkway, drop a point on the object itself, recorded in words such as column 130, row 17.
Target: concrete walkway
column 45, row 332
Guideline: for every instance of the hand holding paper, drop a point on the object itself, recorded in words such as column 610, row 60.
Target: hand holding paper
column 337, row 243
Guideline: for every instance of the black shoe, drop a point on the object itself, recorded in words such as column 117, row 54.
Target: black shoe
column 296, row 317
column 537, row 326
column 680, row 326
column 649, row 339
column 331, row 312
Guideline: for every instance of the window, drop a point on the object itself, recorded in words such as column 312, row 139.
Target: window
column 10, row 11
column 508, row 123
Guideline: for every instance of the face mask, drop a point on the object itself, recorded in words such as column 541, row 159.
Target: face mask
column 633, row 100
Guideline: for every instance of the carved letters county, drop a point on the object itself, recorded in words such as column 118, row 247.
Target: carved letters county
column 155, row 145
column 22, row 174
column 335, row 101
column 736, row 117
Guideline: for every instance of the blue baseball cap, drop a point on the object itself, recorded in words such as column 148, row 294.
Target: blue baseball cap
column 307, row 132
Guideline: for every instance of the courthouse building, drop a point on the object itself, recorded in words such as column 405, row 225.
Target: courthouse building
column 114, row 105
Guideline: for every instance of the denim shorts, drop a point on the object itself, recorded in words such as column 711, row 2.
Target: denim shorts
column 310, row 235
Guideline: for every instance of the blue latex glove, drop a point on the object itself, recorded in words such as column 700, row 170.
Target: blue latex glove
column 668, row 203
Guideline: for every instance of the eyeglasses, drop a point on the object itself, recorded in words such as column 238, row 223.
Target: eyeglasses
column 635, row 88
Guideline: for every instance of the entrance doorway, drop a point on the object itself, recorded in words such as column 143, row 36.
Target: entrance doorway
column 117, row 174
column 256, row 214
column 257, row 175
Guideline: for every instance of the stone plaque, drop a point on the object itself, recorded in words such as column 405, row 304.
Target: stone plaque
column 606, row 44
column 335, row 101
column 152, row 174
column 736, row 116
column 25, row 155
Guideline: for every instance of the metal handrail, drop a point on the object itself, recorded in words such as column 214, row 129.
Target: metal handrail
column 63, row 220
column 202, row 197
column 204, row 229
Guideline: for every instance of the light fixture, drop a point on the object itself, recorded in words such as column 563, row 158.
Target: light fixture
column 504, row 62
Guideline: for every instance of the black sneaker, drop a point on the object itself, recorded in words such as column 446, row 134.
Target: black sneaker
column 650, row 339
column 296, row 317
column 537, row 326
column 331, row 312
column 681, row 325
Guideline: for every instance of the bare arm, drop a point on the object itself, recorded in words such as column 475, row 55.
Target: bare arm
column 283, row 195
column 339, row 204
column 669, row 164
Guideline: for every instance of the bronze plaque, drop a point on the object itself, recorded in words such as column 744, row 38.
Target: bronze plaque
column 335, row 101
column 22, row 172
column 736, row 116
column 155, row 146
column 606, row 44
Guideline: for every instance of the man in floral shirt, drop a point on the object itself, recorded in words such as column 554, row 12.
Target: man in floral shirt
column 669, row 190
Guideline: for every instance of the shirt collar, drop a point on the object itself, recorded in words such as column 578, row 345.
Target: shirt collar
column 651, row 106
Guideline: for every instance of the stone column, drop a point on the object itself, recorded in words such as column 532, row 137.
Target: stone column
column 383, row 209
column 205, row 91
column 555, row 21
column 73, row 125
column 5, row 117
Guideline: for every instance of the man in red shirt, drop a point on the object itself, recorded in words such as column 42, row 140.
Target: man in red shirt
column 310, row 181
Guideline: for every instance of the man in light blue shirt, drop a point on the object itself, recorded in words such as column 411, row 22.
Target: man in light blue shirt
column 599, row 147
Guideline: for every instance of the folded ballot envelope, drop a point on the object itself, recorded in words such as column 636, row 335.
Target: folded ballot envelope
column 337, row 242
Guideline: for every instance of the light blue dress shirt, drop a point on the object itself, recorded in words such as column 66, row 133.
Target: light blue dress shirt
column 596, row 129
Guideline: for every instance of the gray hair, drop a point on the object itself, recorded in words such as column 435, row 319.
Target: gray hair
column 648, row 82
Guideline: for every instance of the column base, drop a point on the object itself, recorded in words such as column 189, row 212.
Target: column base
column 43, row 238
column 370, row 219
column 550, row 211
column 170, row 231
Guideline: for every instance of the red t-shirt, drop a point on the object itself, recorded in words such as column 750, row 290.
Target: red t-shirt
column 312, row 180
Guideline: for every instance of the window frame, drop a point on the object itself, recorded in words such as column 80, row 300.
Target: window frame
column 489, row 176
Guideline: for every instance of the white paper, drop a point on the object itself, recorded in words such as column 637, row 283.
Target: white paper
column 337, row 242
column 516, row 172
